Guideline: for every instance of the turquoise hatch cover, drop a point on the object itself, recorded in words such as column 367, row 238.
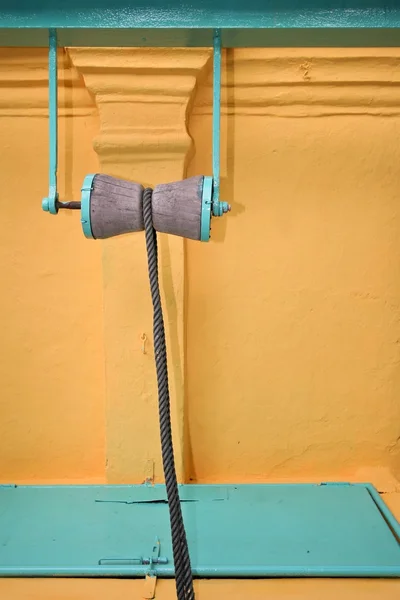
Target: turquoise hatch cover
column 233, row 531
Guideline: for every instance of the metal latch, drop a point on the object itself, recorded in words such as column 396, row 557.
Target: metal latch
column 151, row 574
column 149, row 590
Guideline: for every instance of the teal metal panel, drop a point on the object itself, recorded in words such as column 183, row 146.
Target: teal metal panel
column 233, row 531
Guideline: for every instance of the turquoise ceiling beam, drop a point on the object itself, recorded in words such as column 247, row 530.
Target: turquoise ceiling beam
column 244, row 23
column 200, row 14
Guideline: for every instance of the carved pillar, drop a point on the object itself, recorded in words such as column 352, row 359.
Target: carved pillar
column 143, row 97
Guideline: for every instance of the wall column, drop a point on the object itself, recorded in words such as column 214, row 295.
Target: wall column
column 143, row 97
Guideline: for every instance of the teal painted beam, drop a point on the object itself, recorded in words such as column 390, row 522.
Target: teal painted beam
column 200, row 14
column 244, row 23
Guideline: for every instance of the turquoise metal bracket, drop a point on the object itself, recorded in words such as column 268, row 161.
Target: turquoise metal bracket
column 85, row 205
column 49, row 204
column 216, row 121
column 218, row 208
column 210, row 202
column 206, row 200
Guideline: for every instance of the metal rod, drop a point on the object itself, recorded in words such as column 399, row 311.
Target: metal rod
column 216, row 120
column 53, row 109
column 390, row 519
column 207, row 571
column 72, row 205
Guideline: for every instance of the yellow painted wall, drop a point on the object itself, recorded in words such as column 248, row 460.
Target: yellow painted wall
column 293, row 310
column 122, row 589
column 283, row 331
column 51, row 351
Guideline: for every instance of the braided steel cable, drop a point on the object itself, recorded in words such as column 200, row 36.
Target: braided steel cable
column 183, row 571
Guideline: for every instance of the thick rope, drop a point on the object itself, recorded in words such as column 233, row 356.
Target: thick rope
column 183, row 571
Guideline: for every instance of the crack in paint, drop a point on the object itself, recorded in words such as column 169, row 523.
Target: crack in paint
column 156, row 501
